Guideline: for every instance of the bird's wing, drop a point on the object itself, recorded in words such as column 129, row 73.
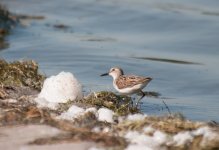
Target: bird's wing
column 130, row 81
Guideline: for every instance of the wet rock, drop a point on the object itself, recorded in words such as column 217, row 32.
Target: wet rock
column 7, row 22
column 61, row 26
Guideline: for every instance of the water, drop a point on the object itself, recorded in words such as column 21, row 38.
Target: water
column 174, row 42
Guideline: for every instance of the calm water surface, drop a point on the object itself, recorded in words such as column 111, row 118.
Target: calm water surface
column 175, row 42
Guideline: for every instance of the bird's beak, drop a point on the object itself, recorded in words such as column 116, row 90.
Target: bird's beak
column 105, row 74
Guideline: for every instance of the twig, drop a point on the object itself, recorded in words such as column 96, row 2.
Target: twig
column 167, row 107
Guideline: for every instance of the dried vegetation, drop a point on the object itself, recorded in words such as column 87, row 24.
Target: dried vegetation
column 20, row 74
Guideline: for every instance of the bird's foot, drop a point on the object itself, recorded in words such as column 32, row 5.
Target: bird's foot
column 143, row 95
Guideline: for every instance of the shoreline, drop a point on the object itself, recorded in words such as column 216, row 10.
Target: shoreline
column 19, row 108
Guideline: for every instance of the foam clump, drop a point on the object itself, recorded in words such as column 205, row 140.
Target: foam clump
column 75, row 112
column 72, row 112
column 142, row 141
column 105, row 114
column 154, row 139
column 91, row 109
column 182, row 138
column 207, row 133
column 59, row 89
column 136, row 117
column 148, row 130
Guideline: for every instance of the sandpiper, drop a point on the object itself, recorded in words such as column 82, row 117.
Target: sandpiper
column 128, row 84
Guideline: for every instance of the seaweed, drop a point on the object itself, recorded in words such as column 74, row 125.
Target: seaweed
column 21, row 73
column 120, row 104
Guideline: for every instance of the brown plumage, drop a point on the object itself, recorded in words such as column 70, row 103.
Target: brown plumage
column 125, row 81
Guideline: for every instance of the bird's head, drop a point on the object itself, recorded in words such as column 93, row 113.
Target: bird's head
column 115, row 72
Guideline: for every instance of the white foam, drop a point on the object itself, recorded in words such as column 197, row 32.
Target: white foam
column 138, row 147
column 182, row 138
column 136, row 117
column 160, row 137
column 59, row 89
column 187, row 136
column 96, row 148
column 96, row 129
column 42, row 102
column 91, row 109
column 106, row 130
column 72, row 112
column 207, row 133
column 148, row 130
column 105, row 114
column 136, row 138
column 142, row 141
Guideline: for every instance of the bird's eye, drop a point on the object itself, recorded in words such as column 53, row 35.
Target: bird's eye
column 113, row 69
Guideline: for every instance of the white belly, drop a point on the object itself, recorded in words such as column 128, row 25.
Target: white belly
column 130, row 90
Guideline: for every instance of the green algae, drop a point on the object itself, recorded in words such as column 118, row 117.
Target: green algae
column 21, row 73
column 121, row 105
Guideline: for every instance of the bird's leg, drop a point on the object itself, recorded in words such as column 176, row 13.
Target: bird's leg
column 143, row 95
column 131, row 103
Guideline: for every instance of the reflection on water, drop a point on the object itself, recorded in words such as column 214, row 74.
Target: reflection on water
column 152, row 94
column 3, row 44
column 169, row 60
column 87, row 37
column 187, row 7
